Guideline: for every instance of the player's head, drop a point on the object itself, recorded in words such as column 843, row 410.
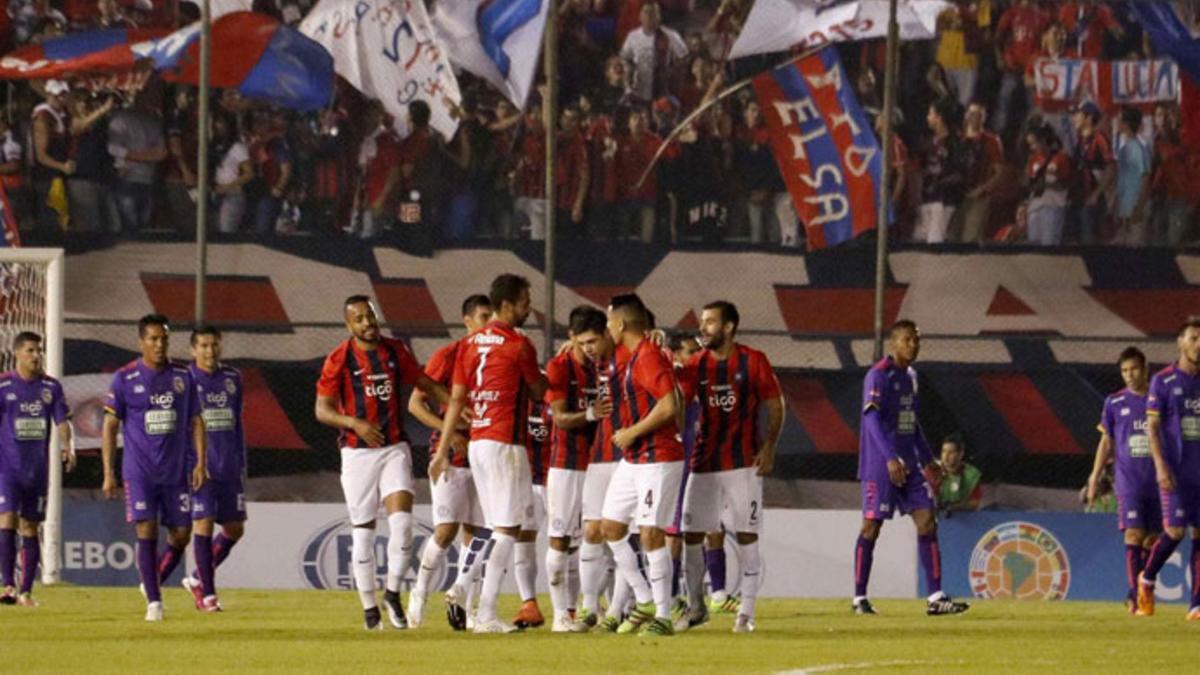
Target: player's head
column 1133, row 368
column 206, row 346
column 476, row 312
column 361, row 318
column 627, row 314
column 954, row 451
column 904, row 341
column 511, row 298
column 1189, row 341
column 154, row 333
column 588, row 330
column 27, row 347
column 718, row 324
column 683, row 346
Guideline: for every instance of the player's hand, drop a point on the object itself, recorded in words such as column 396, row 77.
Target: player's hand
column 68, row 459
column 437, row 466
column 896, row 472
column 602, row 407
column 1092, row 488
column 458, row 443
column 110, row 488
column 368, row 432
column 658, row 337
column 765, row 462
column 199, row 476
column 564, row 348
column 933, row 474
column 1166, row 480
column 577, row 214
column 623, row 438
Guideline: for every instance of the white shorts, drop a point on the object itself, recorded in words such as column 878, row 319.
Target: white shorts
column 564, row 502
column 503, row 482
column 370, row 474
column 732, row 498
column 595, row 486
column 454, row 498
column 644, row 494
column 535, row 517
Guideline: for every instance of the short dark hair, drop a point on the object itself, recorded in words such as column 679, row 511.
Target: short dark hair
column 205, row 329
column 153, row 320
column 1132, row 353
column 1133, row 117
column 474, row 302
column 1192, row 322
column 25, row 336
column 957, row 440
column 356, row 299
column 507, row 288
column 902, row 324
column 631, row 308
column 586, row 318
column 419, row 113
column 676, row 340
column 950, row 111
column 728, row 310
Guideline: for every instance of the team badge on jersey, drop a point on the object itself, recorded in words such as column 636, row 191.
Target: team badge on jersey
column 230, row 386
column 178, row 384
column 47, row 396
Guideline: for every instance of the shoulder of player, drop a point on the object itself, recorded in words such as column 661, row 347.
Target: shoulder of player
column 179, row 368
column 1165, row 375
column 753, row 354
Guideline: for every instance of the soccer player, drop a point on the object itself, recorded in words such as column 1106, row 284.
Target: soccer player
column 223, row 498
column 645, row 484
column 1123, row 434
column 734, row 384
column 358, row 393
column 572, row 395
column 33, row 403
column 497, row 372
column 682, row 346
column 154, row 404
column 1173, row 427
column 454, row 499
column 537, row 450
column 893, row 457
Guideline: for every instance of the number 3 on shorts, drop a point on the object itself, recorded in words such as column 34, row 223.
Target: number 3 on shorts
column 649, row 500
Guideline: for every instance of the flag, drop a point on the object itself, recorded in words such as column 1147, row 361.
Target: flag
column 779, row 25
column 1174, row 37
column 498, row 40
column 1108, row 84
column 824, row 145
column 253, row 53
column 220, row 8
column 387, row 49
column 8, row 220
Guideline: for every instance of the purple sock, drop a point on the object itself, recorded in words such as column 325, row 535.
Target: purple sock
column 31, row 556
column 1195, row 574
column 931, row 562
column 864, row 557
column 221, row 546
column 147, row 564
column 171, row 557
column 202, row 549
column 8, row 557
column 1163, row 548
column 1135, row 560
column 714, row 560
column 676, row 565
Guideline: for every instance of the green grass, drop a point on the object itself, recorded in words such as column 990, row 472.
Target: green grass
column 101, row 630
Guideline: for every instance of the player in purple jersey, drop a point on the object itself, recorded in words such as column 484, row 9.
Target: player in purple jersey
column 223, row 497
column 32, row 403
column 154, row 405
column 1123, row 437
column 896, row 466
column 1173, row 426
column 682, row 346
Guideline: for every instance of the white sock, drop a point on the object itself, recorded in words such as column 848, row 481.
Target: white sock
column 693, row 575
column 627, row 567
column 556, row 575
column 399, row 548
column 362, row 560
column 431, row 556
column 573, row 579
column 750, row 561
column 493, row 577
column 660, row 581
column 620, row 596
column 525, row 569
column 593, row 569
column 472, row 556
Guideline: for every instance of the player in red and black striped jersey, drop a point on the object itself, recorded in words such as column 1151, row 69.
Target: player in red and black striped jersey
column 358, row 393
column 537, row 449
column 733, row 384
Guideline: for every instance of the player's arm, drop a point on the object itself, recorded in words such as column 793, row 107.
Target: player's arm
column 661, row 414
column 327, row 414
column 421, row 412
column 454, row 410
column 765, row 457
column 435, row 390
column 1103, row 452
column 108, row 450
column 565, row 419
column 66, row 444
column 882, row 444
column 531, row 374
column 1162, row 472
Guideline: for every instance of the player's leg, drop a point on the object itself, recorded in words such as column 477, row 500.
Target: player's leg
column 1194, row 565
column 743, row 505
column 203, row 583
column 8, row 548
column 1174, row 527
column 176, row 511
column 361, row 471
column 593, row 555
column 559, row 493
column 396, row 486
column 658, row 491
column 460, row 599
column 448, row 498
column 620, row 506
column 31, row 551
column 714, row 564
column 525, row 561
column 1134, row 562
column 916, row 499
column 503, row 481
column 142, row 509
column 701, row 513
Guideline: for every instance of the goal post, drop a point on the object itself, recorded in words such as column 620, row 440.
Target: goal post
column 32, row 291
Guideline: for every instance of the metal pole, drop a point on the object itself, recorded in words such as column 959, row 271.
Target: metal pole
column 549, row 115
column 202, row 103
column 881, row 242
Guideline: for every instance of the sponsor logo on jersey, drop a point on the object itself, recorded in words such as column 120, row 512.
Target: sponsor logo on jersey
column 1020, row 560
column 163, row 400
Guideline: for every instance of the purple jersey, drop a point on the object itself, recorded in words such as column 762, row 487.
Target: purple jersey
column 29, row 411
column 889, row 421
column 220, row 397
column 1124, row 421
column 1175, row 400
column 156, row 408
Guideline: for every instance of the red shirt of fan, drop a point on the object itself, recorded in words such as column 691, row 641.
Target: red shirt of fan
column 730, row 392
column 497, row 365
column 647, row 378
column 440, row 369
column 366, row 385
column 576, row 382
column 1026, row 25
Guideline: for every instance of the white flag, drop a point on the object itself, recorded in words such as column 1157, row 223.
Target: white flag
column 498, row 40
column 779, row 25
column 220, row 8
column 387, row 49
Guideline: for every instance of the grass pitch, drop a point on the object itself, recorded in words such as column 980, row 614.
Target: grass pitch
column 101, row 630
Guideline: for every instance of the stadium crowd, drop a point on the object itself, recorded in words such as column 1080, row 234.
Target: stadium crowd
column 979, row 158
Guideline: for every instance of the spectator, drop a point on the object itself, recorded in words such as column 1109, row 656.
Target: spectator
column 12, row 176
column 664, row 115
column 1094, row 172
column 90, row 188
column 137, row 145
column 614, row 93
column 960, row 489
column 572, row 175
column 602, row 186
column 1018, row 35
column 700, row 185
column 985, row 168
column 272, row 158
column 530, row 179
column 695, row 90
column 52, row 127
column 956, row 48
column 1086, row 24
column 422, row 175
column 636, row 201
column 378, row 160
column 234, row 171
column 898, row 179
column 496, row 168
column 1054, row 112
column 651, row 55
column 109, row 16
column 1170, row 185
column 329, row 175
column 1046, row 179
column 31, row 18
column 943, row 172
column 1133, row 181
column 758, row 176
column 180, row 175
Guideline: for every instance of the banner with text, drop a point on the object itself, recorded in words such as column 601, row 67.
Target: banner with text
column 1109, row 84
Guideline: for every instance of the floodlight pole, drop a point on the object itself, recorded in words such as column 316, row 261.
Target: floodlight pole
column 549, row 113
column 202, row 182
column 881, row 241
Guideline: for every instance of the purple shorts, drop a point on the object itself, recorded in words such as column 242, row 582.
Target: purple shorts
column 27, row 499
column 1140, row 511
column 673, row 530
column 881, row 499
column 1181, row 506
column 223, row 501
column 171, row 505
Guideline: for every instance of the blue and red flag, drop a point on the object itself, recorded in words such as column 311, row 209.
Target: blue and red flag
column 253, row 53
column 1178, row 39
column 824, row 145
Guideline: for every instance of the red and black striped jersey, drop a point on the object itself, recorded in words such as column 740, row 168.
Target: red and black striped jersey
column 729, row 392
column 440, row 369
column 646, row 379
column 497, row 365
column 603, row 450
column 366, row 385
column 537, row 446
column 574, row 381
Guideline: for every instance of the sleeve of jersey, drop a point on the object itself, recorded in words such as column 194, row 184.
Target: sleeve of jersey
column 410, row 368
column 461, row 367
column 330, row 383
column 656, row 376
column 527, row 362
column 61, row 412
column 873, row 392
column 766, row 384
column 114, row 401
column 194, row 407
column 439, row 366
column 556, row 375
column 1154, row 401
column 1105, row 425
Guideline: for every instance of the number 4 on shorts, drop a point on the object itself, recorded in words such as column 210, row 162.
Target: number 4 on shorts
column 649, row 500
